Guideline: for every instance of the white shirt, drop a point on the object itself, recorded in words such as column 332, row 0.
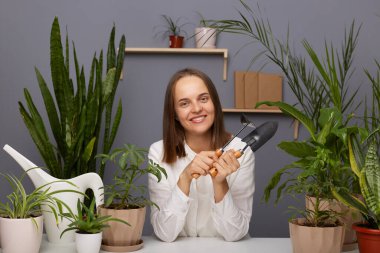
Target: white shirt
column 198, row 214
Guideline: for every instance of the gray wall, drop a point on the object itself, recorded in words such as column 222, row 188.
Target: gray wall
column 24, row 43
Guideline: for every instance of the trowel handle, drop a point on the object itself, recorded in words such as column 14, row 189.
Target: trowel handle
column 213, row 171
column 218, row 153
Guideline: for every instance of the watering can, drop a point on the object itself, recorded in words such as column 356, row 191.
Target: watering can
column 80, row 184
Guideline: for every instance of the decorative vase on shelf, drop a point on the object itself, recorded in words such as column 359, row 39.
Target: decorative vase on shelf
column 205, row 37
column 79, row 184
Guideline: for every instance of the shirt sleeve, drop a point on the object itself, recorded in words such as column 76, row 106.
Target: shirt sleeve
column 232, row 215
column 167, row 221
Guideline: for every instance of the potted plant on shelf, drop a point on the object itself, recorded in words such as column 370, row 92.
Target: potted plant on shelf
column 21, row 216
column 88, row 226
column 368, row 175
column 173, row 30
column 125, row 198
column 205, row 36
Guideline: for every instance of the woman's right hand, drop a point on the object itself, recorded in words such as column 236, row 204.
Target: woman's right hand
column 201, row 164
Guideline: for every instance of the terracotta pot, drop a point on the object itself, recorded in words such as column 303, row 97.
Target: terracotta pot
column 368, row 239
column 175, row 41
column 21, row 235
column 120, row 237
column 349, row 217
column 315, row 239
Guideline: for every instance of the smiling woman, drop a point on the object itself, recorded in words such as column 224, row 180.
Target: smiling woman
column 193, row 129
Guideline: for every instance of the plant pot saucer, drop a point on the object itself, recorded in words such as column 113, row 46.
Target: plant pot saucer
column 123, row 248
column 349, row 246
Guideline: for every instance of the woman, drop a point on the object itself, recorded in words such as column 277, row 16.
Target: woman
column 193, row 129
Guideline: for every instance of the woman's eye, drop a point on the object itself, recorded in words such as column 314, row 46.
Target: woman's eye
column 204, row 99
column 183, row 104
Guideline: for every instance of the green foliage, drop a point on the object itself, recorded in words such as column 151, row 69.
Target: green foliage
column 369, row 181
column 322, row 84
column 131, row 161
column 21, row 205
column 75, row 114
column 322, row 161
column 87, row 221
column 172, row 27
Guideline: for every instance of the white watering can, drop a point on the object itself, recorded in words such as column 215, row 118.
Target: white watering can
column 83, row 182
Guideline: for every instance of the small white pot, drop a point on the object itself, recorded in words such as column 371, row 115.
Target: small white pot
column 205, row 37
column 21, row 235
column 88, row 243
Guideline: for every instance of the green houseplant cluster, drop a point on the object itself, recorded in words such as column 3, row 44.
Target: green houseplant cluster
column 76, row 110
column 125, row 192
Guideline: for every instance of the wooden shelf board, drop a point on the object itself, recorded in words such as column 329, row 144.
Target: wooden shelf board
column 164, row 50
column 235, row 110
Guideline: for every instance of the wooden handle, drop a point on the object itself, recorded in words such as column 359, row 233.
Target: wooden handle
column 213, row 171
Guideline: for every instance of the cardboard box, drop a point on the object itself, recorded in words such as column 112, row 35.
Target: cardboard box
column 252, row 87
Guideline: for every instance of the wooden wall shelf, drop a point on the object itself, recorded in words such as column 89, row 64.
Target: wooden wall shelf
column 235, row 110
column 159, row 50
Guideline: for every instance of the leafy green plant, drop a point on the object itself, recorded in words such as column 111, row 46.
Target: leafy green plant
column 76, row 114
column 21, row 205
column 368, row 176
column 87, row 221
column 132, row 163
column 172, row 27
column 322, row 161
column 322, row 84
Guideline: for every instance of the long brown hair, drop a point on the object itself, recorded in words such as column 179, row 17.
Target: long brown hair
column 174, row 133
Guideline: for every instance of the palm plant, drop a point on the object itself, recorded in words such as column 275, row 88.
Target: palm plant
column 323, row 85
column 75, row 114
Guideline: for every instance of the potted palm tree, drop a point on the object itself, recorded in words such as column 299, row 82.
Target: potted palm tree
column 125, row 199
column 319, row 84
column 322, row 163
column 88, row 226
column 21, row 215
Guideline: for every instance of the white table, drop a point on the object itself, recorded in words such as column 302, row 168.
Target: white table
column 195, row 245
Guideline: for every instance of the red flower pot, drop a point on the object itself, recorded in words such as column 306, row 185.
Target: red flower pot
column 368, row 239
column 175, row 41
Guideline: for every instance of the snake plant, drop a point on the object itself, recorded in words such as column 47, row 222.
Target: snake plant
column 369, row 180
column 76, row 113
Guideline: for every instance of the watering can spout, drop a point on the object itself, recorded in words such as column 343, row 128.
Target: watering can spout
column 38, row 176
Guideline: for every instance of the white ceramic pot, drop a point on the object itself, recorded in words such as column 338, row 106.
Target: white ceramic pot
column 205, row 37
column 88, row 243
column 21, row 235
column 80, row 184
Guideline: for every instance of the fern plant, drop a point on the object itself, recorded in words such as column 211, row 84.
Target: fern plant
column 76, row 113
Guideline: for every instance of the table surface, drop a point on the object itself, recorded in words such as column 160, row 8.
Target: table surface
column 195, row 244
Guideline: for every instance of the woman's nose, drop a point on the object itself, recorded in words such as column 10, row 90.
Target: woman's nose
column 197, row 107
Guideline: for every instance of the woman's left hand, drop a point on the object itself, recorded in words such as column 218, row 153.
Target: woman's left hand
column 226, row 165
